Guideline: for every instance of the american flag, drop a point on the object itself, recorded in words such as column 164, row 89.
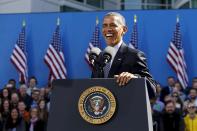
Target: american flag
column 54, row 57
column 19, row 56
column 134, row 35
column 95, row 41
column 175, row 56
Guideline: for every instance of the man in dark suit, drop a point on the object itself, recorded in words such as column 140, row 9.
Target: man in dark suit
column 127, row 63
column 168, row 89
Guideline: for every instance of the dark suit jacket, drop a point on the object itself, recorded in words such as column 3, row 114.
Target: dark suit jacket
column 133, row 61
column 172, row 122
column 164, row 92
column 38, row 126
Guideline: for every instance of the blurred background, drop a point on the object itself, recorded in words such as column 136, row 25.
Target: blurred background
column 27, row 6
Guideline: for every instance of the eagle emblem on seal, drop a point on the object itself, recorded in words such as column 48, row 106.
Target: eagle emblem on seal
column 97, row 105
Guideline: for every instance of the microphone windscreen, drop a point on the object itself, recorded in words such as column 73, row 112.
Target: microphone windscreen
column 95, row 50
column 109, row 50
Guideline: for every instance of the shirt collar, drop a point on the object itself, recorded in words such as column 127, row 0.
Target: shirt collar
column 117, row 46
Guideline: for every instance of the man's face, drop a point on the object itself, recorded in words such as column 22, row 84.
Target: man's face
column 32, row 82
column 191, row 108
column 170, row 108
column 171, row 82
column 34, row 113
column 21, row 106
column 6, row 104
column 12, row 82
column 23, row 89
column 5, row 93
column 113, row 30
column 193, row 94
column 14, row 114
column 194, row 85
column 42, row 104
column 14, row 98
column 177, row 86
column 35, row 95
column 158, row 88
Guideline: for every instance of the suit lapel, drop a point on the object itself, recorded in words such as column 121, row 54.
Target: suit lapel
column 117, row 60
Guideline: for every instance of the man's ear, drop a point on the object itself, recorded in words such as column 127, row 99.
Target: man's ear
column 125, row 29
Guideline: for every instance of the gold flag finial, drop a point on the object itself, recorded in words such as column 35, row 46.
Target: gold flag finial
column 177, row 18
column 135, row 18
column 58, row 21
column 97, row 20
column 24, row 23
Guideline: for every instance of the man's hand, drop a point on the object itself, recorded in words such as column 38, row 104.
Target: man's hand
column 124, row 78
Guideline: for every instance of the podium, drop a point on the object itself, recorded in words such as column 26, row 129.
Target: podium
column 132, row 106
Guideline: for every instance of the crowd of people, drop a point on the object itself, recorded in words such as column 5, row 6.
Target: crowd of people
column 25, row 108
column 175, row 108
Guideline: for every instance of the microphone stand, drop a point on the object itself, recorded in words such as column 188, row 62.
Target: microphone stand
column 98, row 71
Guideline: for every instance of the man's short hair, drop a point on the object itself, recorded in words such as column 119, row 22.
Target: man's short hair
column 194, row 79
column 23, row 86
column 192, row 89
column 33, row 77
column 169, row 77
column 169, row 102
column 121, row 17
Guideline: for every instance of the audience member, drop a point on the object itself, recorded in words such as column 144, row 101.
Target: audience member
column 158, row 89
column 43, row 110
column 156, row 120
column 178, row 88
column 5, row 94
column 177, row 100
column 42, row 93
column 35, row 96
column 15, row 122
column 170, row 119
column 24, row 96
column 1, row 122
column 192, row 97
column 191, row 118
column 12, row 82
column 14, row 100
column 31, row 85
column 23, row 112
column 157, row 105
column 5, row 109
column 35, row 123
column 168, row 89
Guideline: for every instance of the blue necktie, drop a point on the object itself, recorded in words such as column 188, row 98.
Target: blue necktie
column 106, row 70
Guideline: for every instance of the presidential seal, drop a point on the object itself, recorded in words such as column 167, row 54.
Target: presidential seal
column 96, row 105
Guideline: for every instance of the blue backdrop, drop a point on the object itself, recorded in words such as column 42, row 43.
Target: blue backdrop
column 155, row 29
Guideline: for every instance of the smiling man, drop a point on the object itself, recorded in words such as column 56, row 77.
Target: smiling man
column 127, row 63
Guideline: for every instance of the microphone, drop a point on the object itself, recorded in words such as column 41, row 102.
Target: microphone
column 93, row 55
column 108, row 53
column 100, row 59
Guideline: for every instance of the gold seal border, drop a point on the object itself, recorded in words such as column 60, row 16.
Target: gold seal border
column 110, row 112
